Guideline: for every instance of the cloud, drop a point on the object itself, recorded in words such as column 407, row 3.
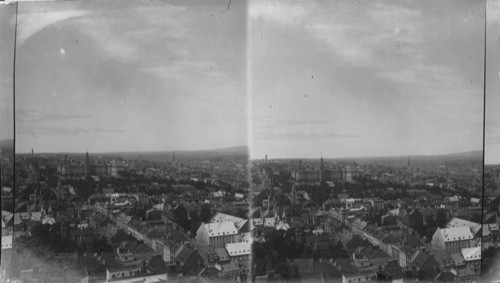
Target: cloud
column 32, row 22
column 30, row 116
column 299, row 136
column 493, row 12
column 266, row 122
column 286, row 15
column 353, row 40
column 125, row 34
column 64, row 131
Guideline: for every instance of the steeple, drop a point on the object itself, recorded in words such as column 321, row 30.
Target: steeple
column 270, row 197
column 322, row 171
column 87, row 164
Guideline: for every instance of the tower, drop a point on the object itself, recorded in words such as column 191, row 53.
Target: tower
column 409, row 164
column 87, row 165
column 322, row 171
column 270, row 197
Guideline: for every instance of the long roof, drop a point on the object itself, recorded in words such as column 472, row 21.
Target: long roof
column 456, row 233
column 458, row 222
column 221, row 229
column 223, row 217
column 238, row 249
column 470, row 254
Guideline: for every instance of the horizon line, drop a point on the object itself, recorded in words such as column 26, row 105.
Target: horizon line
column 132, row 151
column 257, row 159
column 373, row 156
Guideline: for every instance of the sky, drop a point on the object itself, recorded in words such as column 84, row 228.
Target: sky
column 109, row 76
column 492, row 114
column 298, row 79
column 365, row 78
column 7, row 31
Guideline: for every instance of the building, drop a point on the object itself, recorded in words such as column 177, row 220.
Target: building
column 453, row 240
column 239, row 252
column 359, row 277
column 217, row 234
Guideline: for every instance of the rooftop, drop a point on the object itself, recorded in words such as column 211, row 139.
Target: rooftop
column 471, row 254
column 458, row 222
column 237, row 249
column 221, row 229
column 456, row 233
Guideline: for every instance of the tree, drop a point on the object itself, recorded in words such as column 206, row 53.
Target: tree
column 205, row 212
column 194, row 222
column 441, row 218
column 417, row 222
column 181, row 217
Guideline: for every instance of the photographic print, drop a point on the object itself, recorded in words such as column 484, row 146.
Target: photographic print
column 7, row 30
column 491, row 206
column 131, row 142
column 367, row 139
column 249, row 141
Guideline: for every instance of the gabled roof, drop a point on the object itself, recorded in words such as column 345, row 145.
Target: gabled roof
column 456, row 234
column 360, row 223
column 184, row 254
column 223, row 217
column 420, row 258
column 221, row 229
column 458, row 222
column 207, row 250
column 222, row 254
column 471, row 254
column 157, row 264
column 458, row 259
column 238, row 249
column 178, row 236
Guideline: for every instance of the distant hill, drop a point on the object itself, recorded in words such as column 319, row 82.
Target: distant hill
column 469, row 156
column 472, row 154
column 453, row 158
column 239, row 152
